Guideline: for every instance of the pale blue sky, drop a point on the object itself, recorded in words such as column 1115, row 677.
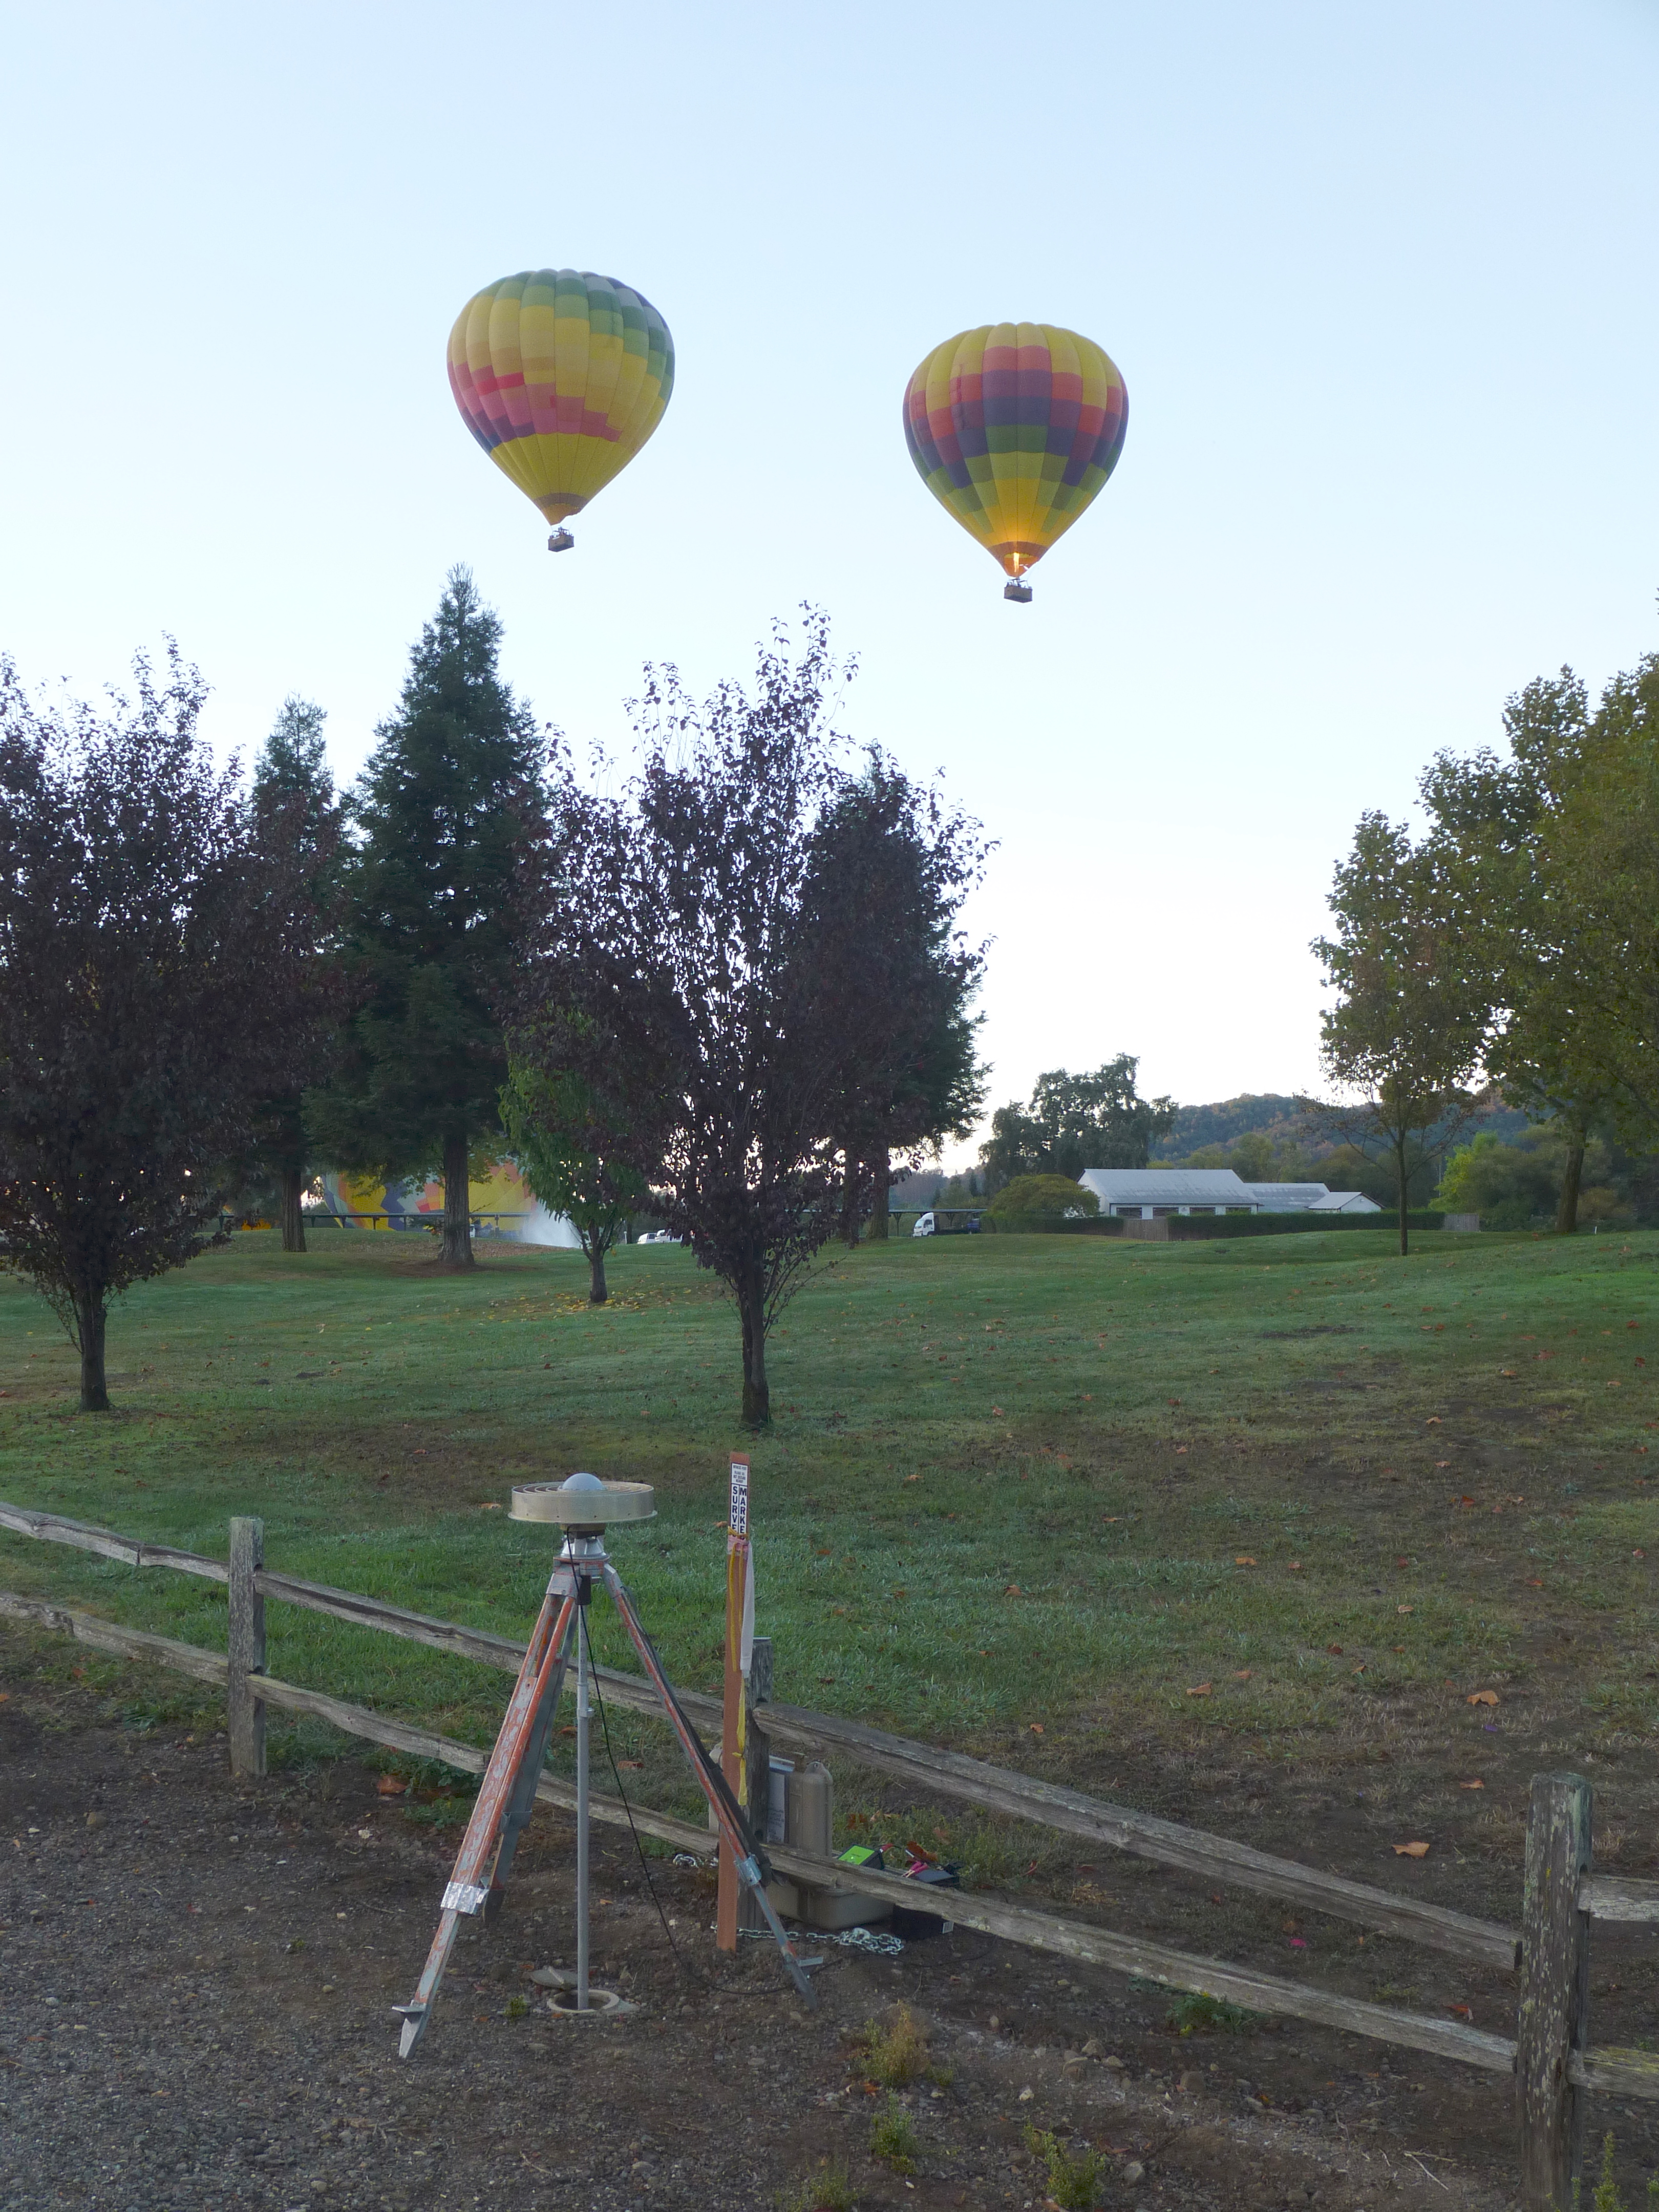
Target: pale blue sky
column 1381, row 282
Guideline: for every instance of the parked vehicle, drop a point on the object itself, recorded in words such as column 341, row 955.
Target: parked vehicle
column 949, row 1221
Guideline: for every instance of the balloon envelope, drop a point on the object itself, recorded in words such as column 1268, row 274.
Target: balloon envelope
column 561, row 376
column 1014, row 427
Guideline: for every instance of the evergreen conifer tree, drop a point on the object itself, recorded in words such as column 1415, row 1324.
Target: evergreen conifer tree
column 450, row 787
column 295, row 810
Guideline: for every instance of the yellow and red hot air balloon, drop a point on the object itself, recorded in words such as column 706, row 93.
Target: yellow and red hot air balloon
column 561, row 376
column 1014, row 427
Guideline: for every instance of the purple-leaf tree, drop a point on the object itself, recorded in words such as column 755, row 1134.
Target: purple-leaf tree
column 708, row 951
column 157, row 981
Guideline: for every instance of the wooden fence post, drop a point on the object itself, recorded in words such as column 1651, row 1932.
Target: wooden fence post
column 245, row 1711
column 1554, row 1991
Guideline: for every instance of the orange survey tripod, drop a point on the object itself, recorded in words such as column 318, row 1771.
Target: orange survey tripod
column 584, row 1506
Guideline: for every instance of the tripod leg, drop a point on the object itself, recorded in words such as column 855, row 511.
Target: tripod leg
column 466, row 1894
column 720, row 1797
column 522, row 1802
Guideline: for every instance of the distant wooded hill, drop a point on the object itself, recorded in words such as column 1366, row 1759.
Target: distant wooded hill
column 1273, row 1113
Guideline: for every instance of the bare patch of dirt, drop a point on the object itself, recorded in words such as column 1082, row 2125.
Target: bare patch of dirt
column 197, row 1979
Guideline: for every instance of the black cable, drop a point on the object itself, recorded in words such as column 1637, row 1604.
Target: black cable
column 716, row 1782
column 615, row 1775
column 687, row 1970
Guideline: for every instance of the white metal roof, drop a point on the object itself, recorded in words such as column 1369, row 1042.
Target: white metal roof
column 1344, row 1202
column 1286, row 1197
column 1167, row 1187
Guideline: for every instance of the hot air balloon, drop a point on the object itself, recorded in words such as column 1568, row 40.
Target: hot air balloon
column 1014, row 427
column 562, row 376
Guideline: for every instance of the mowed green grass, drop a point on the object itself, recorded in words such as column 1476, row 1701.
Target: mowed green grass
column 1024, row 1495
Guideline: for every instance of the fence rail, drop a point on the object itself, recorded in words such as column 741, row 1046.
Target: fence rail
column 1562, row 1898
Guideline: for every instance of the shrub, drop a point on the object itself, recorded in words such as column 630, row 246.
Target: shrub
column 1040, row 1201
column 1073, row 2176
column 893, row 2139
column 897, row 2055
column 1195, row 2012
column 828, row 2189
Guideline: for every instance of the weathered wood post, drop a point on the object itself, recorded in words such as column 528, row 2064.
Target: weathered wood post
column 244, row 1711
column 1554, row 1991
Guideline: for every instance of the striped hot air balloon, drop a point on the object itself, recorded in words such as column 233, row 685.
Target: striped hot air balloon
column 562, row 376
column 1014, row 427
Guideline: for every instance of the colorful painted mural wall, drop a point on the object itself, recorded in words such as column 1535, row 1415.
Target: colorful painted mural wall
column 499, row 1196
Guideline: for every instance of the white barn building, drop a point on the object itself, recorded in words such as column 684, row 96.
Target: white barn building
column 1145, row 1193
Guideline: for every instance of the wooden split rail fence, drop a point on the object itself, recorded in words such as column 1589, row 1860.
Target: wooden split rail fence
column 1549, row 2057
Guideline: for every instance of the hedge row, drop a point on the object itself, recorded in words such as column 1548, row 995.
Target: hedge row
column 1184, row 1227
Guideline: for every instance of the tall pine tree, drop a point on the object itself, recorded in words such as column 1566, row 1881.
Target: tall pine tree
column 453, row 782
column 296, row 812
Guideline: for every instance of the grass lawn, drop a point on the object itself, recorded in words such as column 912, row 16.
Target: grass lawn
column 1232, row 1531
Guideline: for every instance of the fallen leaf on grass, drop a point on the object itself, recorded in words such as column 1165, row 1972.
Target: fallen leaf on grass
column 1405, row 1608
column 1360, row 1668
column 1036, row 1727
column 1411, row 1850
column 1296, row 1566
column 996, row 1412
column 630, row 1762
column 1463, row 2011
column 1476, row 1783
column 1200, row 1690
column 1335, row 1651
column 1013, row 1590
column 1482, row 1698
column 913, row 1477
column 1507, row 1371
column 1533, row 1583
column 391, row 1785
column 1433, row 1421
column 1244, row 1560
column 1242, row 1675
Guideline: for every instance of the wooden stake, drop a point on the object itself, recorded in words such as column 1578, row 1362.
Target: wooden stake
column 1554, row 1991
column 245, row 1712
column 735, row 1707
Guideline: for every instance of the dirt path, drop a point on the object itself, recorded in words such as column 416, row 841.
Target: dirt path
column 196, row 1979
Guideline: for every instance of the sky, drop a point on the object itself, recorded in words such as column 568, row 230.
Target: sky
column 1381, row 282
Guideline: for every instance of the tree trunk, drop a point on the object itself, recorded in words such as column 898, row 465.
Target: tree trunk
column 1405, row 1195
column 292, row 1213
column 880, row 1193
column 597, row 1292
column 756, row 1397
column 851, row 1192
column 1566, row 1213
column 457, row 1220
column 89, row 1328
